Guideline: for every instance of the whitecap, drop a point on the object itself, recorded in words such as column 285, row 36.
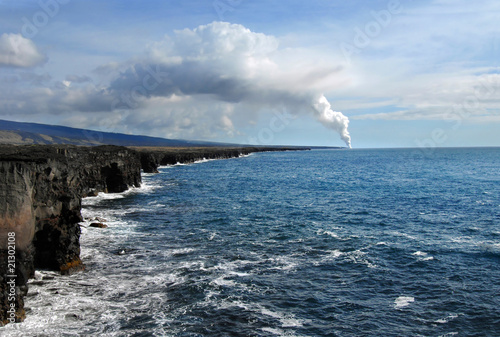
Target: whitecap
column 403, row 301
column 274, row 331
column 423, row 256
column 446, row 319
column 182, row 251
column 232, row 304
column 287, row 321
column 270, row 313
column 239, row 274
column 358, row 257
column 223, row 282
column 329, row 233
column 284, row 263
column 335, row 253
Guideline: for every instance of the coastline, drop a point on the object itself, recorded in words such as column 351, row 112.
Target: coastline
column 42, row 187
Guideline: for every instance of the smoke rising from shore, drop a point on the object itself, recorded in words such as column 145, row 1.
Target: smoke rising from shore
column 246, row 72
column 334, row 120
column 215, row 81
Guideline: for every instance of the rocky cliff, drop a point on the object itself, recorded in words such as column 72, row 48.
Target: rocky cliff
column 41, row 188
column 153, row 157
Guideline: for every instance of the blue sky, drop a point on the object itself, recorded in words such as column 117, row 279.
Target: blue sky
column 321, row 72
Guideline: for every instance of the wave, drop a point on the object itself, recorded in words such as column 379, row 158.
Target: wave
column 146, row 187
column 403, row 301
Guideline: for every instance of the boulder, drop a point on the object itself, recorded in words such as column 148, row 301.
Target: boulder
column 98, row 225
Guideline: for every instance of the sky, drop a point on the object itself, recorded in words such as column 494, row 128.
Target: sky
column 398, row 73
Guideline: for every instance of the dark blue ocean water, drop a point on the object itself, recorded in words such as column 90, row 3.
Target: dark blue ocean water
column 314, row 243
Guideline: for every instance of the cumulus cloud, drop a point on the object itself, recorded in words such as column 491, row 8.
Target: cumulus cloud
column 17, row 51
column 205, row 82
column 231, row 64
column 78, row 79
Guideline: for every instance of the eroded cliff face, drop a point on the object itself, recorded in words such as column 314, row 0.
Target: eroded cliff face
column 153, row 157
column 41, row 189
column 18, row 224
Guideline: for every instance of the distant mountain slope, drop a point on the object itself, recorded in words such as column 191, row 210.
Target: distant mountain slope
column 34, row 133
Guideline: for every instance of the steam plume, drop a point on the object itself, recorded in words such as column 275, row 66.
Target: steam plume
column 334, row 120
column 210, row 81
column 230, row 64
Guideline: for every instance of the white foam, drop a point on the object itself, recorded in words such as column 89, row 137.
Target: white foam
column 222, row 281
column 245, row 155
column 169, row 166
column 91, row 201
column 38, row 275
column 403, row 301
column 328, row 257
column 291, row 323
column 334, row 253
column 329, row 233
column 286, row 320
column 95, row 301
column 182, row 251
column 274, row 331
column 446, row 319
column 423, row 256
column 232, row 304
column 283, row 263
column 145, row 187
column 405, row 235
column 238, row 274
column 268, row 312
column 204, row 160
column 359, row 257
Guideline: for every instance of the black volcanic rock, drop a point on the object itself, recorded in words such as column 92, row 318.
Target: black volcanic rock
column 41, row 189
column 153, row 157
column 98, row 225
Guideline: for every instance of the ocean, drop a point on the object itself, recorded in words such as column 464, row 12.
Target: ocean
column 363, row 242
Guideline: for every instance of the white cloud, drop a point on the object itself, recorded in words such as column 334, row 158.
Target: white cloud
column 445, row 96
column 17, row 51
column 206, row 82
column 229, row 64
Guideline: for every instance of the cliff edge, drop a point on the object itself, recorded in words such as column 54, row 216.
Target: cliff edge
column 41, row 188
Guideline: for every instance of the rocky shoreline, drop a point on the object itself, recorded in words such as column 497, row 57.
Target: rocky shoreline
column 41, row 190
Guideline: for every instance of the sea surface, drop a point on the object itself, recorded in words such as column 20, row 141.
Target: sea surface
column 382, row 242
